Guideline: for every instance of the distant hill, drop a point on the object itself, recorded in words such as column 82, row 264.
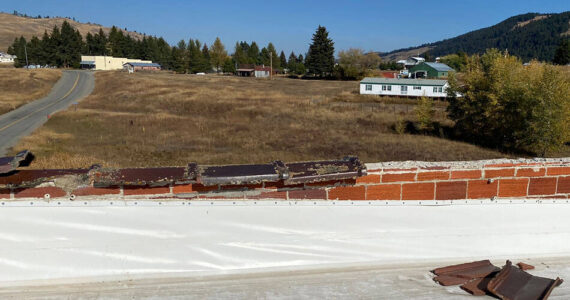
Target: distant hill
column 527, row 36
column 12, row 26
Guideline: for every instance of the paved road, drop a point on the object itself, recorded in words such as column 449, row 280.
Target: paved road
column 18, row 123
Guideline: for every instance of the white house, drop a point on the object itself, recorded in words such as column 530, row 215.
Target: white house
column 435, row 88
column 412, row 61
column 6, row 58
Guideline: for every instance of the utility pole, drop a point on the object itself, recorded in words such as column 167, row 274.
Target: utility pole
column 271, row 66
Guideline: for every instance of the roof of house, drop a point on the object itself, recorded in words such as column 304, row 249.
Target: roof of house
column 245, row 70
column 439, row 66
column 139, row 64
column 403, row 81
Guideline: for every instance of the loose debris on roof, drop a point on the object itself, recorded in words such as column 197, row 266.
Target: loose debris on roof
column 287, row 174
column 11, row 163
column 509, row 283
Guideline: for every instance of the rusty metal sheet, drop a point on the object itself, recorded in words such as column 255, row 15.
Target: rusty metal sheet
column 11, row 163
column 319, row 171
column 242, row 174
column 513, row 283
column 29, row 178
column 142, row 176
column 524, row 266
column 460, row 274
column 478, row 286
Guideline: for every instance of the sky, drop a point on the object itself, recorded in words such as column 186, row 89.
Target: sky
column 370, row 25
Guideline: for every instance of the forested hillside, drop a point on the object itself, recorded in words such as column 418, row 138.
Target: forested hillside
column 528, row 36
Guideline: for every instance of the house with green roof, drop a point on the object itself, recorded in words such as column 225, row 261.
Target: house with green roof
column 434, row 88
column 430, row 70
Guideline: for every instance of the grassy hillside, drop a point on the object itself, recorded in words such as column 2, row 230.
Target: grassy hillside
column 12, row 26
column 527, row 36
column 21, row 86
column 167, row 119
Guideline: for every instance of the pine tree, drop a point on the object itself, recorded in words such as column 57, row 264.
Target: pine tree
column 195, row 56
column 253, row 54
column 283, row 60
column 206, row 65
column 274, row 58
column 562, row 54
column 240, row 56
column 218, row 54
column 320, row 60
column 264, row 56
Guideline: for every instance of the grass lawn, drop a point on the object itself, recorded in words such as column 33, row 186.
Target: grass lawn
column 159, row 119
column 20, row 86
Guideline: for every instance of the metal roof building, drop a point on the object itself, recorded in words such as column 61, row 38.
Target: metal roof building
column 430, row 70
column 435, row 88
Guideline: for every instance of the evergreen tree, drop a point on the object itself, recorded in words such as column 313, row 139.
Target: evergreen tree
column 229, row 65
column 264, row 56
column 283, row 60
column 292, row 63
column 218, row 55
column 206, row 66
column 253, row 54
column 240, row 54
column 274, row 58
column 195, row 56
column 320, row 60
column 562, row 54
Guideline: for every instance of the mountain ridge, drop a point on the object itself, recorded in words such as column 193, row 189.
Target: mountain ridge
column 529, row 36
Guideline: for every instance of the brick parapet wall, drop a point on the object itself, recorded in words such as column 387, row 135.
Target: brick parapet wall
column 536, row 178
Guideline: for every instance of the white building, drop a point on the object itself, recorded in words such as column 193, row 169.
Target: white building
column 6, row 58
column 434, row 88
column 107, row 62
column 412, row 61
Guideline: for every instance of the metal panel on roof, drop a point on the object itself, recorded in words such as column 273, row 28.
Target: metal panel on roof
column 317, row 171
column 242, row 174
column 403, row 81
column 11, row 163
column 439, row 66
column 513, row 283
column 139, row 64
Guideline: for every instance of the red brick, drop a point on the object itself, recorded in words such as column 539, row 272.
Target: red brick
column 542, row 186
column 131, row 190
column 531, row 172
column 513, row 187
column 439, row 175
column 54, row 192
column 268, row 195
column 418, row 191
column 510, row 172
column 450, row 190
column 563, row 185
column 94, row 191
column 332, row 183
column 558, row 171
column 477, row 189
column 182, row 189
column 372, row 178
column 399, row 177
column 4, row 193
column 200, row 188
column 383, row 192
column 347, row 193
column 308, row 194
column 281, row 185
column 502, row 165
column 466, row 174
column 241, row 187
column 400, row 170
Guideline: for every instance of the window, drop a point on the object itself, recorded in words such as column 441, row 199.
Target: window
column 417, row 87
column 383, row 87
column 435, row 89
column 404, row 88
column 440, row 89
column 389, row 87
column 368, row 87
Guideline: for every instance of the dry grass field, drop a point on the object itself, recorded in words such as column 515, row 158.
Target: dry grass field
column 167, row 119
column 20, row 86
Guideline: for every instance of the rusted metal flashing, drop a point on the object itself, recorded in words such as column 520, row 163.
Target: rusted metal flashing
column 462, row 273
column 11, row 163
column 142, row 176
column 242, row 174
column 349, row 167
column 513, row 283
column 31, row 178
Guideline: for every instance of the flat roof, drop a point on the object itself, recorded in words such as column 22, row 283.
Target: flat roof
column 403, row 81
column 140, row 64
column 439, row 66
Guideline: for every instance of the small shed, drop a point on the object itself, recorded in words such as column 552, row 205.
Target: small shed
column 430, row 70
column 245, row 72
column 137, row 66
